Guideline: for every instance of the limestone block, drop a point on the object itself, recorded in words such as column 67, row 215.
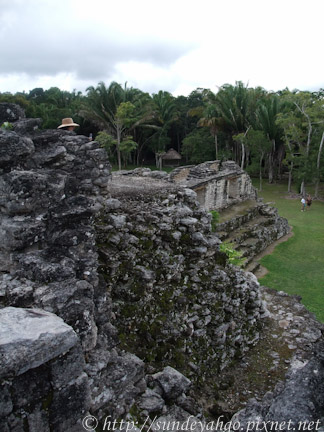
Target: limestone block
column 151, row 401
column 14, row 148
column 27, row 191
column 66, row 368
column 26, row 126
column 173, row 383
column 31, row 337
column 50, row 156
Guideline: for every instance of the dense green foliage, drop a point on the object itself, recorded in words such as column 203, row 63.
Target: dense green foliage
column 6, row 126
column 296, row 266
column 234, row 256
column 214, row 219
column 270, row 134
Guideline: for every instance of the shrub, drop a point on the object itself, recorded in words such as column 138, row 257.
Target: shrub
column 215, row 219
column 234, row 256
column 6, row 126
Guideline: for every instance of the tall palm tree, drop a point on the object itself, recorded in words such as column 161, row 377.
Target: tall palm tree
column 234, row 105
column 117, row 110
column 266, row 115
column 165, row 114
column 211, row 118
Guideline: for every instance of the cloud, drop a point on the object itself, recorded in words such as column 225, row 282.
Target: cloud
column 171, row 45
column 45, row 38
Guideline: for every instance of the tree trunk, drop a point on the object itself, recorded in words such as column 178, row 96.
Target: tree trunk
column 243, row 156
column 318, row 166
column 158, row 161
column 290, row 176
column 260, row 172
column 271, row 160
column 216, row 146
column 302, row 188
column 243, row 148
column 270, row 168
column 118, row 148
column 281, row 154
column 139, row 152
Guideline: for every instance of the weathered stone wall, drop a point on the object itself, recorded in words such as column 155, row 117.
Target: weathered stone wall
column 52, row 184
column 174, row 300
column 217, row 185
column 162, row 280
column 47, row 202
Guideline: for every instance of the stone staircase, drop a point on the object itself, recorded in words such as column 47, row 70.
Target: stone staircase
column 251, row 227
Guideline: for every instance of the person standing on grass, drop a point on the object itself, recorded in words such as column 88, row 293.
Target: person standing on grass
column 303, row 202
column 309, row 201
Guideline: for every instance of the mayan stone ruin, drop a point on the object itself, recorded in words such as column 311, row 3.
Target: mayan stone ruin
column 116, row 301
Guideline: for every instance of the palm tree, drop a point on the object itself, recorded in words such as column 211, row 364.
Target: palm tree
column 211, row 118
column 234, row 105
column 165, row 114
column 116, row 110
column 266, row 115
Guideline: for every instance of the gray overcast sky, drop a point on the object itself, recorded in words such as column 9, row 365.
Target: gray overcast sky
column 173, row 45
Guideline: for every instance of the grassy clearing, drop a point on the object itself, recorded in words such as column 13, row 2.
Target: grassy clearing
column 297, row 265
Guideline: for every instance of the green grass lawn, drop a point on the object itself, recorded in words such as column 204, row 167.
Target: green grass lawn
column 297, row 265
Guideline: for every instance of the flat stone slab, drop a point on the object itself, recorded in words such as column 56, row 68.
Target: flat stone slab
column 238, row 209
column 30, row 338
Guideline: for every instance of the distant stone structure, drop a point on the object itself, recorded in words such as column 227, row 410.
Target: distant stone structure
column 218, row 185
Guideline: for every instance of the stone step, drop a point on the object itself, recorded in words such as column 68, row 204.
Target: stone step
column 251, row 229
column 237, row 210
column 246, row 231
column 252, row 267
column 243, row 250
column 250, row 242
column 222, row 235
column 248, row 222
